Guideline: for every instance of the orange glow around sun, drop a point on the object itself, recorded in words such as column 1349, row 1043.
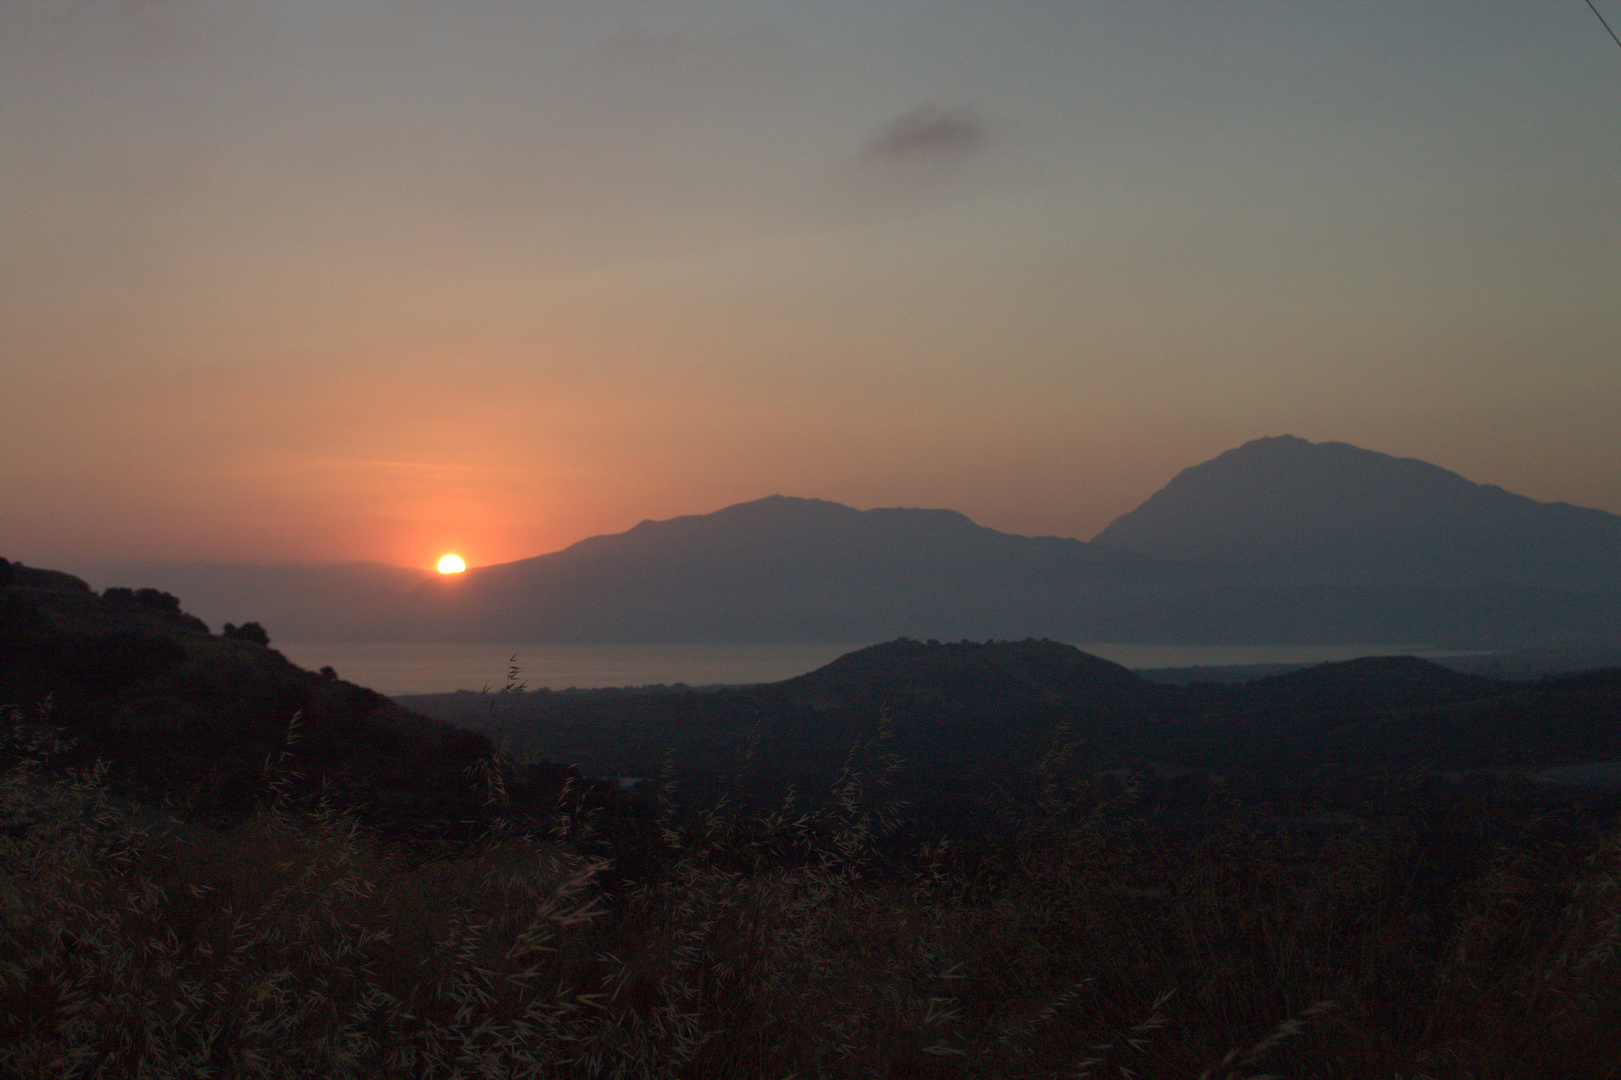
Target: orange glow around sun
column 451, row 564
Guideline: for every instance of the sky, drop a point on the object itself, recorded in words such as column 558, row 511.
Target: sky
column 309, row 282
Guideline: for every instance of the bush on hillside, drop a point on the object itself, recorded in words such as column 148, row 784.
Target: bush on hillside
column 246, row 632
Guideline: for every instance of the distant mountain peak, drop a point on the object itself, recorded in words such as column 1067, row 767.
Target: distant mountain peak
column 1286, row 505
column 1301, row 457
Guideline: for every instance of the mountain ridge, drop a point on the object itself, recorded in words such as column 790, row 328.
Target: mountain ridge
column 782, row 568
column 803, row 527
column 1335, row 511
column 1277, row 541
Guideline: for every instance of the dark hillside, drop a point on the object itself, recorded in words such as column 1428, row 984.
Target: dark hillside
column 186, row 717
column 963, row 719
column 1004, row 672
column 969, row 721
column 1371, row 681
column 966, row 717
column 1568, row 720
column 1381, row 715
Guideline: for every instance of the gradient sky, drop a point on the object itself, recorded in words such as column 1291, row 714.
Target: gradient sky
column 319, row 282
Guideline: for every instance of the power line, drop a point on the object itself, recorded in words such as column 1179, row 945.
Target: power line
column 1606, row 25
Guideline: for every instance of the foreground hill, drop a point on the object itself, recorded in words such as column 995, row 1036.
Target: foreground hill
column 970, row 719
column 1385, row 680
column 186, row 717
column 1330, row 511
column 990, row 673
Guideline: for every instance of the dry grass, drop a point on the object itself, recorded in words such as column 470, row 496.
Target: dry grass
column 790, row 943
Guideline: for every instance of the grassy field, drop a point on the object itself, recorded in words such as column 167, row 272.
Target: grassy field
column 741, row 942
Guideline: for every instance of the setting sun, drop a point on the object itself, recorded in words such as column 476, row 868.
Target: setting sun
column 451, row 564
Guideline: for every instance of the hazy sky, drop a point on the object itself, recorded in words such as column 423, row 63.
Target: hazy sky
column 323, row 282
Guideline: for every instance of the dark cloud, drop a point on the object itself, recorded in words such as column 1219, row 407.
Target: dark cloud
column 928, row 133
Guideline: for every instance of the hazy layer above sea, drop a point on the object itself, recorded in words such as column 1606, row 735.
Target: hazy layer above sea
column 396, row 668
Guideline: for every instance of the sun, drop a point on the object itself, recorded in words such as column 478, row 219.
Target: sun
column 451, row 564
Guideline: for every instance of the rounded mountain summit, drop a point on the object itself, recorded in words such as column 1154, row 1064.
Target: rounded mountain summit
column 1285, row 506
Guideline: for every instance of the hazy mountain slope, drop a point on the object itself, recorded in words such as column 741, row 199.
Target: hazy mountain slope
column 1330, row 511
column 1277, row 541
column 784, row 569
column 802, row 569
column 783, row 544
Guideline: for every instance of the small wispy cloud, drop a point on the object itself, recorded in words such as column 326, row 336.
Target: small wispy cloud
column 928, row 133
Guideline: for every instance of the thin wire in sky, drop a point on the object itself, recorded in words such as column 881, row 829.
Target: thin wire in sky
column 1606, row 25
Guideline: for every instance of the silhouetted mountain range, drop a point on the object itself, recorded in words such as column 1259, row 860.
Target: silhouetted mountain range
column 782, row 569
column 1281, row 540
column 1278, row 541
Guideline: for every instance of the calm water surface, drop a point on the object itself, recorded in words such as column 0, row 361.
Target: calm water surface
column 396, row 668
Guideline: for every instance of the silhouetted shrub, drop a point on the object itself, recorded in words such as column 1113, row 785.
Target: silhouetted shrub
column 154, row 600
column 251, row 631
column 329, row 673
column 147, row 598
column 161, row 601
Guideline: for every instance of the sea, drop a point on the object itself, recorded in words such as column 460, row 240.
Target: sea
column 395, row 668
